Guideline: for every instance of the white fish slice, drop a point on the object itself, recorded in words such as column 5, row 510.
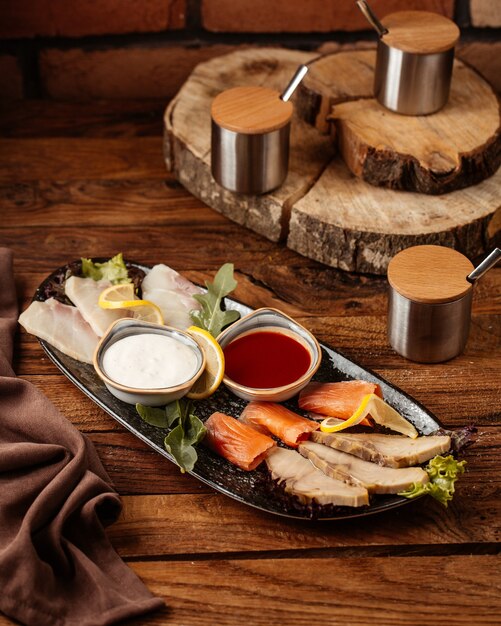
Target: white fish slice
column 62, row 326
column 84, row 293
column 307, row 483
column 172, row 293
column 355, row 471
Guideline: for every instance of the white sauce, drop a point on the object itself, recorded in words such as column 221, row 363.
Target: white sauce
column 149, row 361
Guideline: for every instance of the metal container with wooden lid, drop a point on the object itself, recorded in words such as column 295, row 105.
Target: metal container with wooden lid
column 415, row 55
column 250, row 139
column 429, row 305
column 250, row 136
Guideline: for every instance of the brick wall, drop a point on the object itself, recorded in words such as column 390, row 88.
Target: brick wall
column 85, row 49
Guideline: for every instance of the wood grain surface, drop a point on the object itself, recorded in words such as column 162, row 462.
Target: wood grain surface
column 91, row 181
column 456, row 147
column 420, row 32
column 430, row 274
column 251, row 110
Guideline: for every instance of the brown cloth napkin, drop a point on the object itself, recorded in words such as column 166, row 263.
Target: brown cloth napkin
column 57, row 565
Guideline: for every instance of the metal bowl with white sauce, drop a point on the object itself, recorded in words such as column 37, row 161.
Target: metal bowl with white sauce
column 146, row 363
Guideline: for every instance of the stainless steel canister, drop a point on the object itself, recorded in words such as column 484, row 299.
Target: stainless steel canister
column 410, row 83
column 250, row 139
column 249, row 163
column 429, row 303
column 415, row 56
column 428, row 333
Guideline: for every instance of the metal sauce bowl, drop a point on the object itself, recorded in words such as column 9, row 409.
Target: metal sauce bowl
column 149, row 397
column 274, row 320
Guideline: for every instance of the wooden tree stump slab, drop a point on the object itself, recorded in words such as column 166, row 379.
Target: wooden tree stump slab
column 454, row 148
column 188, row 136
column 347, row 223
column 322, row 210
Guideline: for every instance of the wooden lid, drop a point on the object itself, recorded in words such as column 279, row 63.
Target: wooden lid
column 420, row 32
column 251, row 110
column 431, row 274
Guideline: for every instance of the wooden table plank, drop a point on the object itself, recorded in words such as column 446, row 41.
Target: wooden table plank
column 360, row 592
column 399, row 591
column 112, row 118
column 68, row 159
column 51, row 203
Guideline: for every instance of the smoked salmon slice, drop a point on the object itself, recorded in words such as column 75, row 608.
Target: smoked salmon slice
column 278, row 420
column 239, row 443
column 337, row 399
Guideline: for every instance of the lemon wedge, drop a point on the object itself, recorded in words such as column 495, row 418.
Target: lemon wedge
column 381, row 412
column 213, row 374
column 122, row 297
column 117, row 297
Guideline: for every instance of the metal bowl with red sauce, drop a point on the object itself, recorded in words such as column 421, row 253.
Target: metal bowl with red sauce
column 268, row 356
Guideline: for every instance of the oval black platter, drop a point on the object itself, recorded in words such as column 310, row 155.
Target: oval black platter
column 252, row 488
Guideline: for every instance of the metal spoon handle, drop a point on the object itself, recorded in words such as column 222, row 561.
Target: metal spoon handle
column 372, row 18
column 489, row 262
column 296, row 79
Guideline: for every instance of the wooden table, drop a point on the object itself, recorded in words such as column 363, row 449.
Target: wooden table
column 90, row 180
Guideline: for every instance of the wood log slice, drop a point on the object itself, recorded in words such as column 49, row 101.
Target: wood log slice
column 322, row 210
column 188, row 138
column 454, row 148
column 347, row 223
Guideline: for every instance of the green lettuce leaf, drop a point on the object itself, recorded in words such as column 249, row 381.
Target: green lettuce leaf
column 153, row 416
column 188, row 430
column 443, row 473
column 211, row 317
column 113, row 270
column 180, row 443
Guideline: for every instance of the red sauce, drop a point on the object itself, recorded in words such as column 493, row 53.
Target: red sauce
column 266, row 359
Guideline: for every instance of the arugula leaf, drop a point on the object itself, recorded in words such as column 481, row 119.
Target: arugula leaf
column 181, row 449
column 195, row 431
column 113, row 270
column 174, row 412
column 153, row 416
column 188, row 430
column 211, row 317
column 443, row 473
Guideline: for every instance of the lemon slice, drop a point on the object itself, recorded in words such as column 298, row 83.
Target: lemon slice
column 381, row 412
column 122, row 297
column 117, row 297
column 213, row 374
column 146, row 311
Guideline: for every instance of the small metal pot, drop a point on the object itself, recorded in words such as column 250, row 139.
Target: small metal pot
column 429, row 302
column 415, row 56
column 412, row 84
column 250, row 136
column 249, row 163
column 428, row 333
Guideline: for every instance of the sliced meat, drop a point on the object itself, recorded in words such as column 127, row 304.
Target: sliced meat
column 355, row 471
column 389, row 450
column 303, row 480
column 276, row 419
column 62, row 326
column 84, row 293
